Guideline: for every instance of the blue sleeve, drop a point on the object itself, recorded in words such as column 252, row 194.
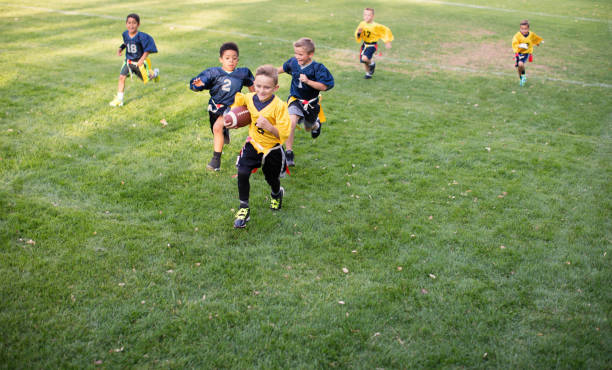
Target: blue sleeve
column 324, row 76
column 206, row 78
column 148, row 44
column 123, row 35
column 248, row 80
column 287, row 66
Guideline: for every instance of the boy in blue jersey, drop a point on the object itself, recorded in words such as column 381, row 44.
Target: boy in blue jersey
column 223, row 83
column 138, row 46
column 308, row 78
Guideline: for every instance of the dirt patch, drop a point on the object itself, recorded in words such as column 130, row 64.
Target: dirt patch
column 485, row 55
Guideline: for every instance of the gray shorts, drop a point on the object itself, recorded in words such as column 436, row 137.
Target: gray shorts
column 294, row 108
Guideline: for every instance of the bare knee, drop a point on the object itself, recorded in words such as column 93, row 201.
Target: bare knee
column 365, row 59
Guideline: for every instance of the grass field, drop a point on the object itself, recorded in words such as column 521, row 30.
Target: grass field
column 446, row 217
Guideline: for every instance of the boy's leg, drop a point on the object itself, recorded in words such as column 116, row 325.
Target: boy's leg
column 272, row 168
column 289, row 142
column 249, row 159
column 118, row 100
column 217, row 127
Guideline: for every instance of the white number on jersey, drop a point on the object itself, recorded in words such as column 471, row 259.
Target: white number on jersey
column 132, row 48
column 227, row 85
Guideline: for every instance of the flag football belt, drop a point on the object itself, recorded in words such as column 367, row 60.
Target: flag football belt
column 284, row 170
column 307, row 104
column 214, row 107
column 144, row 68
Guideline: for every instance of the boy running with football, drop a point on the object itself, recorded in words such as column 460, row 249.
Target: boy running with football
column 269, row 128
column 223, row 84
column 368, row 33
column 138, row 46
column 308, row 79
column 522, row 45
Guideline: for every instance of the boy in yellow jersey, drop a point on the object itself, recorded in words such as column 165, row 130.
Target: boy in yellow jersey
column 270, row 127
column 368, row 33
column 522, row 45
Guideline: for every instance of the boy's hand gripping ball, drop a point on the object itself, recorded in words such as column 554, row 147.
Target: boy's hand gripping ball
column 237, row 117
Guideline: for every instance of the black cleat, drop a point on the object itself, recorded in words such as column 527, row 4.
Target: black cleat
column 367, row 76
column 277, row 203
column 242, row 217
column 315, row 133
column 372, row 68
column 214, row 164
column 290, row 158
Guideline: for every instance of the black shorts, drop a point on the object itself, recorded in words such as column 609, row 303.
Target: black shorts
column 368, row 50
column 308, row 113
column 125, row 70
column 521, row 58
column 214, row 115
column 274, row 161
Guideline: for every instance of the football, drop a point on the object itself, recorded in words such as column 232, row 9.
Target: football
column 237, row 117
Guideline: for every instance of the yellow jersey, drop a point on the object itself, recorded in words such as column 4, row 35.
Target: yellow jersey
column 524, row 45
column 276, row 112
column 372, row 32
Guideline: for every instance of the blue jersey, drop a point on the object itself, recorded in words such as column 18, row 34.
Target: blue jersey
column 314, row 71
column 223, row 85
column 138, row 45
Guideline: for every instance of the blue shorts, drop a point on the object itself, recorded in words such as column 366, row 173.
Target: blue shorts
column 522, row 58
column 368, row 50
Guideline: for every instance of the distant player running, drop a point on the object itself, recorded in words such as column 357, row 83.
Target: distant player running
column 368, row 33
column 522, row 45
column 138, row 46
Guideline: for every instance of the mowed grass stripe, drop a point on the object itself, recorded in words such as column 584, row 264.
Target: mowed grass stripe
column 352, row 53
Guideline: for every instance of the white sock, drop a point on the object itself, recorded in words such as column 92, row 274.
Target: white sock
column 372, row 63
column 120, row 95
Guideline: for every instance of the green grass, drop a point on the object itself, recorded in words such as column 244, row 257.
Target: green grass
column 117, row 247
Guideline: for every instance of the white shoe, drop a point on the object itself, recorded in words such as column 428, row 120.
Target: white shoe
column 116, row 102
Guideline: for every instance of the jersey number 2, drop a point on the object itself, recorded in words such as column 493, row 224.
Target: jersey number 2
column 227, row 85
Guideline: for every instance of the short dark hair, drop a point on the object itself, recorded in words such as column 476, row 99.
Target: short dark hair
column 268, row 71
column 133, row 15
column 370, row 10
column 525, row 22
column 228, row 46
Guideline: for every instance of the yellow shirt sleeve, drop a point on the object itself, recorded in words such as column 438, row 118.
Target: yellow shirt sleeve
column 283, row 123
column 515, row 42
column 535, row 39
column 358, row 36
column 239, row 100
column 384, row 33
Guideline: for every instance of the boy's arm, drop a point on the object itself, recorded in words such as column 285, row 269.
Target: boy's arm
column 515, row 44
column 198, row 83
column 143, row 58
column 264, row 124
column 537, row 39
column 281, row 70
column 283, row 123
column 358, row 31
column 314, row 84
column 386, row 35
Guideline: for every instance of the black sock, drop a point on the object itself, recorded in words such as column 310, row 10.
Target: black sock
column 275, row 195
column 244, row 204
column 522, row 73
column 217, row 155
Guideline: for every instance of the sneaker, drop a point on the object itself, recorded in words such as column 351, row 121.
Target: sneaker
column 316, row 132
column 290, row 158
column 367, row 76
column 372, row 68
column 226, row 136
column 276, row 203
column 155, row 77
column 214, row 164
column 242, row 217
column 116, row 102
column 523, row 80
